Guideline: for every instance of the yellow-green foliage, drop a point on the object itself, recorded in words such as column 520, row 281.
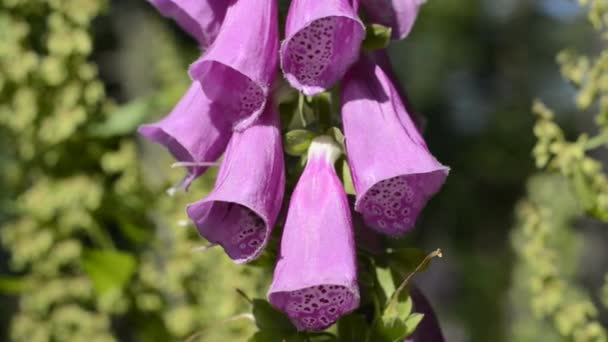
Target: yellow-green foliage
column 89, row 230
column 572, row 184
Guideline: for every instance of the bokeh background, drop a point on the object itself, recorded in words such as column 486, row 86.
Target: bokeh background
column 93, row 249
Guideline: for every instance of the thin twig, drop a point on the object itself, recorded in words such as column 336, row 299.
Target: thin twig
column 427, row 259
column 244, row 295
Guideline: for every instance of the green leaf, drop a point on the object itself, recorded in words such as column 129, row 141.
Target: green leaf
column 376, row 37
column 412, row 322
column 394, row 330
column 347, row 179
column 385, row 279
column 268, row 318
column 12, row 285
column 296, row 142
column 400, row 310
column 352, row 327
column 124, row 120
column 305, row 113
column 338, row 136
column 109, row 270
column 395, row 324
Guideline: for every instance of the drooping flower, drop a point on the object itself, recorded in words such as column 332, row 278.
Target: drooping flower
column 323, row 40
column 241, row 211
column 238, row 68
column 315, row 280
column 195, row 132
column 393, row 172
column 400, row 15
column 200, row 18
column 428, row 329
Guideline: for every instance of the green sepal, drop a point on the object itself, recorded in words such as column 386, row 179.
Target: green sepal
column 297, row 141
column 376, row 37
column 268, row 318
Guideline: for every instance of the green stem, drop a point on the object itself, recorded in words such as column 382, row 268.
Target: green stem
column 427, row 259
column 597, row 141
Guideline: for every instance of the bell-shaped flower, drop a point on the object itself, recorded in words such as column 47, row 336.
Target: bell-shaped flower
column 393, row 172
column 428, row 329
column 238, row 68
column 241, row 211
column 400, row 15
column 315, row 279
column 323, row 38
column 200, row 18
column 195, row 133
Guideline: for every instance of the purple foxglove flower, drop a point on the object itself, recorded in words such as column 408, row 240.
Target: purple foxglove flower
column 241, row 211
column 238, row 68
column 428, row 330
column 200, row 18
column 393, row 172
column 400, row 15
column 323, row 40
column 315, row 280
column 195, row 132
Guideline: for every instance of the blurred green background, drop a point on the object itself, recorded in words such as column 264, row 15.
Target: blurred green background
column 93, row 249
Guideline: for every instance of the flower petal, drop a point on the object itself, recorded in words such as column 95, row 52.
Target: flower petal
column 428, row 330
column 242, row 209
column 393, row 172
column 193, row 132
column 237, row 70
column 200, row 18
column 315, row 280
column 323, row 40
column 400, row 15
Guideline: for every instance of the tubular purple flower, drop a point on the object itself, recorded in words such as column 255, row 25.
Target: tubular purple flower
column 315, row 280
column 241, row 211
column 194, row 132
column 200, row 18
column 399, row 15
column 238, row 68
column 393, row 172
column 323, row 40
column 428, row 330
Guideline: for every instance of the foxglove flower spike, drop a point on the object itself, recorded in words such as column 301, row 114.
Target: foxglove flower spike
column 315, row 280
column 237, row 70
column 241, row 211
